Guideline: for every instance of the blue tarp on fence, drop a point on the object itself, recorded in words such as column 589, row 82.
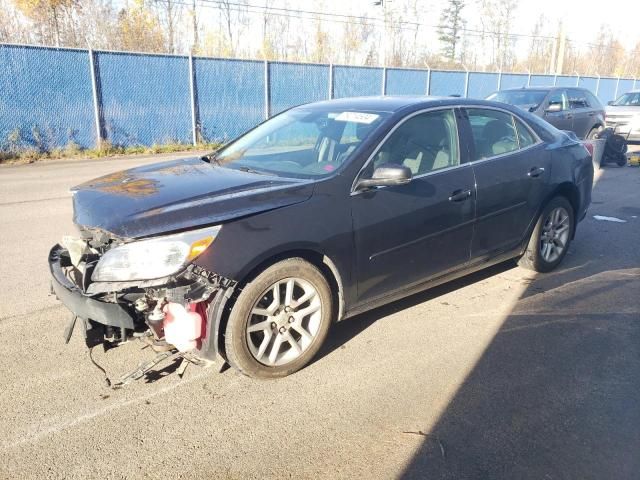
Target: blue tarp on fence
column 47, row 101
column 513, row 80
column 229, row 96
column 482, row 84
column 356, row 81
column 407, row 82
column 447, row 83
column 145, row 98
column 45, row 98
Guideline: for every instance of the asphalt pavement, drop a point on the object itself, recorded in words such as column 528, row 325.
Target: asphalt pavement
column 504, row 374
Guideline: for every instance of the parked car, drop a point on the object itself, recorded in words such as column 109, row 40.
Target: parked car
column 566, row 108
column 623, row 115
column 322, row 212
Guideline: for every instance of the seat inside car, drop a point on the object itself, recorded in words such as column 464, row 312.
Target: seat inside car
column 497, row 138
column 427, row 145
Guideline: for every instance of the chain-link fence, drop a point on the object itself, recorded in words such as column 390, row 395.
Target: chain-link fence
column 55, row 98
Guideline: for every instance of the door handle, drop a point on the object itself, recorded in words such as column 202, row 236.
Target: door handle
column 535, row 172
column 460, row 195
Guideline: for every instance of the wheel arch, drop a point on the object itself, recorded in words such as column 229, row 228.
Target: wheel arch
column 572, row 194
column 315, row 257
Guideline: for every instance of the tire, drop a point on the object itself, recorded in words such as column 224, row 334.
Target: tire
column 543, row 252
column 593, row 133
column 265, row 318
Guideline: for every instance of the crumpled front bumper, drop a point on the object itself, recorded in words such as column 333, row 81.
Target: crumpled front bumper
column 104, row 304
column 82, row 305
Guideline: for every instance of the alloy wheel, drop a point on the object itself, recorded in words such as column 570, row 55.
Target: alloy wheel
column 555, row 234
column 284, row 322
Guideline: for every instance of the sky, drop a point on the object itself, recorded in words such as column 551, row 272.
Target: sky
column 582, row 18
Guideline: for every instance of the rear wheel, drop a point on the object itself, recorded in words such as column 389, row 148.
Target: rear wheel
column 280, row 320
column 551, row 236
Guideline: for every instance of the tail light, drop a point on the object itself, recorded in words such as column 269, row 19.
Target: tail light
column 588, row 146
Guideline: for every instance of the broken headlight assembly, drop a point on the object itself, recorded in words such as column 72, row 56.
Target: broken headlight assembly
column 154, row 257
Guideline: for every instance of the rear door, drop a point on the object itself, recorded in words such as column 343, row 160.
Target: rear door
column 406, row 234
column 581, row 111
column 511, row 169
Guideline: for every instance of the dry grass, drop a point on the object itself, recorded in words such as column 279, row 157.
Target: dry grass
column 73, row 150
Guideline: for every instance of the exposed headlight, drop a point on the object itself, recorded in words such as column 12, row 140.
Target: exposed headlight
column 153, row 258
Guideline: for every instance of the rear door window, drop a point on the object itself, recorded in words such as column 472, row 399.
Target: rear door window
column 593, row 101
column 577, row 99
column 493, row 132
column 525, row 137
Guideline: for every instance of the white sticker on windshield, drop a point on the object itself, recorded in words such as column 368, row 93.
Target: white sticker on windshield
column 357, row 117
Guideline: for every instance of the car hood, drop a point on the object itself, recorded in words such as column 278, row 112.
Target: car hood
column 179, row 195
column 622, row 110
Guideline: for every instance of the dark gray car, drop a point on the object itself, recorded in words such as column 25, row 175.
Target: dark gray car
column 320, row 213
column 566, row 108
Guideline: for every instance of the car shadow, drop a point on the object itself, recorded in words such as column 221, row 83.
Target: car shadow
column 555, row 393
column 342, row 332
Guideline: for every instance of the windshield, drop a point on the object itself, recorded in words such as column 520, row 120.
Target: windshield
column 520, row 98
column 301, row 143
column 628, row 99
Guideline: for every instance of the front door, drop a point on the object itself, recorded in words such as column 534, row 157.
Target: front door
column 562, row 119
column 406, row 234
column 511, row 169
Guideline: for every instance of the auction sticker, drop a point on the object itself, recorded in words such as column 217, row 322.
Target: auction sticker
column 357, row 117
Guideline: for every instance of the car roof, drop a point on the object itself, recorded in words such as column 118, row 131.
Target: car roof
column 546, row 88
column 395, row 103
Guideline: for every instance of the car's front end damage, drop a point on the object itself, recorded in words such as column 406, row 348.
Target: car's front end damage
column 121, row 289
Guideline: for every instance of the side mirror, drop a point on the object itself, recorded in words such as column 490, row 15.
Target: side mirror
column 610, row 102
column 386, row 175
column 553, row 108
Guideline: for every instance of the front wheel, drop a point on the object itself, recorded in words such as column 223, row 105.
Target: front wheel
column 280, row 320
column 551, row 236
column 594, row 133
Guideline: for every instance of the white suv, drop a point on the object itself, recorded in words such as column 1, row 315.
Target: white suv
column 623, row 114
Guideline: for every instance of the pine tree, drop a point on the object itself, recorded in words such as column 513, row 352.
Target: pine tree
column 451, row 25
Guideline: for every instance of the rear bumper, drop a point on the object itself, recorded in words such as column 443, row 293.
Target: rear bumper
column 81, row 305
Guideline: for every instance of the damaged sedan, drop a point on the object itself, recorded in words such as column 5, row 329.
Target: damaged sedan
column 248, row 255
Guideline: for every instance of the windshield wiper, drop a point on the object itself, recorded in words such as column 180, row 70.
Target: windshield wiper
column 252, row 170
column 211, row 158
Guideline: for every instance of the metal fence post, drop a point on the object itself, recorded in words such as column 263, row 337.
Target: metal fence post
column 555, row 80
column 577, row 79
column 529, row 78
column 267, row 96
column 615, row 95
column 429, row 81
column 192, row 94
column 466, row 84
column 499, row 80
column 330, row 81
column 384, row 81
column 97, row 107
column 597, row 85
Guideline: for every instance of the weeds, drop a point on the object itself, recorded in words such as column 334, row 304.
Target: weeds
column 73, row 150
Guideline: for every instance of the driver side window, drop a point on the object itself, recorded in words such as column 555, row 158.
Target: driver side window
column 423, row 143
column 559, row 98
column 493, row 133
